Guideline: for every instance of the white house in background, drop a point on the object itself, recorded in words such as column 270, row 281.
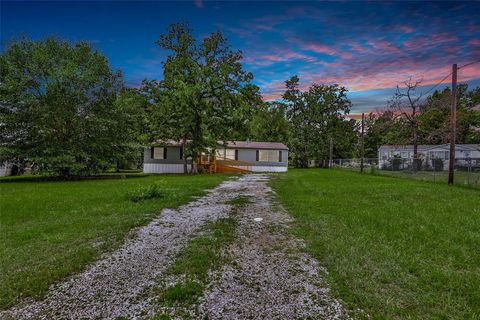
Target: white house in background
column 428, row 153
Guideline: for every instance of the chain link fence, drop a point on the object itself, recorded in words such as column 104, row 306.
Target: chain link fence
column 467, row 170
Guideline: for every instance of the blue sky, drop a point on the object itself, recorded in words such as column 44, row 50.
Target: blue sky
column 369, row 47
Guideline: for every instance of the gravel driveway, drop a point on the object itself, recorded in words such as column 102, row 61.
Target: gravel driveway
column 271, row 277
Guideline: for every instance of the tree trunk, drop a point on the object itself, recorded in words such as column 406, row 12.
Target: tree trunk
column 185, row 162
column 194, row 169
column 197, row 138
column 416, row 161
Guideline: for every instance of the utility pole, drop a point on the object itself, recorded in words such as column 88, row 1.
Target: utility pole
column 453, row 124
column 362, row 145
column 330, row 164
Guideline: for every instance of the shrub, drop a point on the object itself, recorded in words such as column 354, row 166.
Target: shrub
column 373, row 168
column 437, row 164
column 145, row 193
column 396, row 163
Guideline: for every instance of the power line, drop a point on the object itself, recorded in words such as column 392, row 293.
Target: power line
column 468, row 64
column 445, row 78
column 448, row 75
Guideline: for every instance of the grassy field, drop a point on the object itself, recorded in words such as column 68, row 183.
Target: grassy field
column 50, row 230
column 461, row 178
column 395, row 248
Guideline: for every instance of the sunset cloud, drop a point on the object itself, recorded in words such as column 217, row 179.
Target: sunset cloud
column 368, row 47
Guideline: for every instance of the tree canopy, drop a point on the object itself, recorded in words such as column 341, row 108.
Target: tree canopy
column 318, row 117
column 205, row 94
column 58, row 108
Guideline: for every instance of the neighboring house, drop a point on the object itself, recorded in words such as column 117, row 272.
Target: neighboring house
column 5, row 169
column 429, row 154
column 235, row 156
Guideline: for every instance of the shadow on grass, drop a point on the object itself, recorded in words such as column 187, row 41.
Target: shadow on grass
column 38, row 178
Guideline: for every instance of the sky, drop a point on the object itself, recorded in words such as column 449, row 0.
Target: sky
column 368, row 47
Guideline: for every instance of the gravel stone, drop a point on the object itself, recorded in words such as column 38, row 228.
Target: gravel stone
column 270, row 278
column 115, row 285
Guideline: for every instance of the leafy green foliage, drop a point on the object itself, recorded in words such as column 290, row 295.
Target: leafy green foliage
column 144, row 193
column 432, row 121
column 58, row 108
column 205, row 94
column 269, row 123
column 317, row 116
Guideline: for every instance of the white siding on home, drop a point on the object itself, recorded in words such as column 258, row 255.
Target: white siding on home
column 5, row 170
column 163, row 168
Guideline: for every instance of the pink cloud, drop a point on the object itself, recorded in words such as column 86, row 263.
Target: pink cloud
column 280, row 55
column 320, row 48
column 385, row 75
column 383, row 45
column 406, row 29
column 199, row 3
column 434, row 40
column 475, row 42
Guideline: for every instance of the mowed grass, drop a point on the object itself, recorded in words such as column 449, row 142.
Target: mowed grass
column 461, row 178
column 395, row 248
column 50, row 230
column 201, row 255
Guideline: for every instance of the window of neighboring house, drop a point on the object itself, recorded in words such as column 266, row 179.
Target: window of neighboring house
column 439, row 155
column 405, row 154
column 159, row 153
column 269, row 155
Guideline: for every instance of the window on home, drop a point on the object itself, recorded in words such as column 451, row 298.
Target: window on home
column 269, row 155
column 230, row 154
column 159, row 153
column 226, row 154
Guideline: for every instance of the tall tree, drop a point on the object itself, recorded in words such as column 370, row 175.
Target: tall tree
column 383, row 127
column 269, row 123
column 317, row 116
column 205, row 94
column 406, row 104
column 57, row 107
column 435, row 116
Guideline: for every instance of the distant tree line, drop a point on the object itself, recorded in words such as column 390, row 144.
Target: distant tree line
column 65, row 112
column 429, row 123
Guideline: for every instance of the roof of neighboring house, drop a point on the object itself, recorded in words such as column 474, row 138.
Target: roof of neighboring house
column 426, row 147
column 233, row 144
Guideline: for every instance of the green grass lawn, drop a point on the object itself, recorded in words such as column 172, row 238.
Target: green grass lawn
column 50, row 230
column 461, row 178
column 396, row 248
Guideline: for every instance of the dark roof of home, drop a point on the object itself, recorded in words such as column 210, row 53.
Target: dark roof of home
column 255, row 145
column 233, row 144
column 426, row 147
